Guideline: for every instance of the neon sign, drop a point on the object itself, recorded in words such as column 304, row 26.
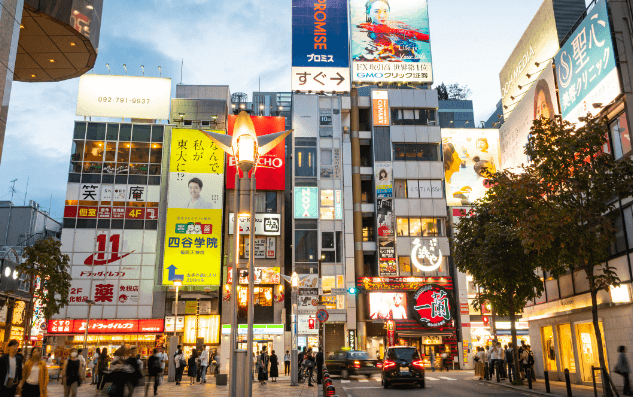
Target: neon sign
column 433, row 306
column 420, row 252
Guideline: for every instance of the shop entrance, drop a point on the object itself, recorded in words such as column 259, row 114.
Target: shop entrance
column 258, row 345
column 588, row 350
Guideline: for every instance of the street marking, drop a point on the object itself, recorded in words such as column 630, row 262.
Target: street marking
column 345, row 381
column 430, row 378
column 363, row 380
column 367, row 387
column 443, row 377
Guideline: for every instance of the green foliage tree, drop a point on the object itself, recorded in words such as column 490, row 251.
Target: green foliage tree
column 44, row 262
column 582, row 184
column 442, row 92
column 487, row 243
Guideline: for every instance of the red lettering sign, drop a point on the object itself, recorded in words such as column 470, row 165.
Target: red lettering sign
column 87, row 212
column 70, row 211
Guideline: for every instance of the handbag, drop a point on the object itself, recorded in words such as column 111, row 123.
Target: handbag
column 310, row 364
column 476, row 359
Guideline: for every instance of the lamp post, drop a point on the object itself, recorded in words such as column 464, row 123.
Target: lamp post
column 246, row 147
column 177, row 284
column 90, row 302
column 294, row 284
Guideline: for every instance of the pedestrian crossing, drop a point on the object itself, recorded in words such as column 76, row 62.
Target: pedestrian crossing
column 377, row 379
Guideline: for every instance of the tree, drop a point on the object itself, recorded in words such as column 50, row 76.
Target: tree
column 456, row 91
column 47, row 269
column 488, row 245
column 442, row 92
column 582, row 184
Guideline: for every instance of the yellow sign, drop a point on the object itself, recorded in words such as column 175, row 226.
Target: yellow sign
column 193, row 236
column 191, row 307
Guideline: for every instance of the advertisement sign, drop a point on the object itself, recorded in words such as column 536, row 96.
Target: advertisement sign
column 384, row 179
column 539, row 101
column 387, row 264
column 400, row 283
column 308, row 299
column 306, row 324
column 391, row 333
column 306, row 203
column 338, row 205
column 433, row 306
column 98, row 326
column 426, row 256
column 585, row 66
column 124, row 97
column 320, row 50
column 263, row 275
column 380, row 106
column 193, row 235
column 384, row 208
column 538, row 44
column 390, row 41
column 171, row 323
column 468, row 155
column 271, row 167
column 265, row 224
column 388, row 306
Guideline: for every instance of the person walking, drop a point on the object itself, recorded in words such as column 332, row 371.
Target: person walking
column 192, row 366
column 93, row 366
column 102, row 366
column 530, row 362
column 72, row 374
column 319, row 365
column 34, row 381
column 204, row 364
column 445, row 359
column 274, row 366
column 179, row 360
column 310, row 364
column 154, row 370
column 287, row 363
column 480, row 358
column 10, row 369
column 510, row 360
column 622, row 368
column 262, row 361
column 432, row 359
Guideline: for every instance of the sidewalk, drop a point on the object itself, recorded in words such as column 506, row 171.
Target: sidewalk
column 556, row 388
column 281, row 388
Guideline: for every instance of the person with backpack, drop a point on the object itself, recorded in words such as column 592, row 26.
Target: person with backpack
column 179, row 360
column 72, row 374
column 154, row 370
column 530, row 362
column 510, row 361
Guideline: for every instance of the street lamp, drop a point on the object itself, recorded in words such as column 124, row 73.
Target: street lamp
column 246, row 147
column 90, row 303
column 177, row 284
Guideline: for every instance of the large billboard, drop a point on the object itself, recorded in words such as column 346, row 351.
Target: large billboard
column 468, row 154
column 390, row 41
column 124, row 97
column 537, row 45
column 271, row 167
column 539, row 101
column 585, row 66
column 320, row 49
column 193, row 235
column 388, row 305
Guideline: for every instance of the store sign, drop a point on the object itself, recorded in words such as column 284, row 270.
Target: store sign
column 98, row 326
column 306, row 203
column 193, row 235
column 388, row 305
column 384, row 179
column 431, row 340
column 124, row 97
column 258, row 329
column 400, row 283
column 170, row 323
column 380, row 106
column 391, row 333
column 585, row 66
column 387, row 257
column 338, row 205
column 384, row 209
column 433, row 306
column 263, row 275
column 271, row 167
column 265, row 224
column 426, row 259
column 351, row 339
column 304, row 322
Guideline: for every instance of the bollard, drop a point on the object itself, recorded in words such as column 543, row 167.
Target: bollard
column 593, row 377
column 528, row 373
column 568, row 382
column 546, row 374
column 330, row 391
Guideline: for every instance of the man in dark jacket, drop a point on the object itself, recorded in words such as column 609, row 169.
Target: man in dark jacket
column 10, row 370
column 319, row 365
column 154, row 370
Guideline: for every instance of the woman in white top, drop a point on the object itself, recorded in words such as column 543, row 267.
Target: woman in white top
column 34, row 376
column 479, row 363
column 179, row 360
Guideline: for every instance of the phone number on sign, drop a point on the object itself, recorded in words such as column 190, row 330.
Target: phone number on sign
column 139, row 101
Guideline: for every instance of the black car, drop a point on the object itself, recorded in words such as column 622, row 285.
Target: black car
column 351, row 362
column 402, row 364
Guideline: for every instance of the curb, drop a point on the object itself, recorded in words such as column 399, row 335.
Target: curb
column 526, row 390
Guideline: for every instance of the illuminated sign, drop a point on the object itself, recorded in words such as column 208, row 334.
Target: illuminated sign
column 170, row 323
column 124, row 97
column 106, row 326
column 338, row 205
column 258, row 329
column 384, row 180
column 433, row 306
column 388, row 306
column 420, row 253
column 306, row 203
column 351, row 339
column 380, row 106
column 265, row 224
column 263, row 275
column 400, row 283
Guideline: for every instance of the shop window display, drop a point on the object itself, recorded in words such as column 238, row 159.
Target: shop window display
column 549, row 351
column 566, row 349
column 587, row 346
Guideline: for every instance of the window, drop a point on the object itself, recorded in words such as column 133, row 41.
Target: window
column 413, row 116
column 271, row 202
column 139, row 152
column 419, row 227
column 327, row 240
column 400, row 188
column 305, row 162
column 328, row 257
column 628, row 222
column 263, row 296
column 327, row 283
column 415, row 227
column 619, row 245
column 565, row 348
column 402, row 226
column 416, row 152
column 306, row 245
column 156, row 155
column 94, row 151
column 620, row 136
column 327, row 204
column 339, row 252
column 549, row 351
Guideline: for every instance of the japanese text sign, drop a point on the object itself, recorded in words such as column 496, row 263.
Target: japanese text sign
column 265, row 224
column 380, row 106
column 433, row 306
column 97, row 326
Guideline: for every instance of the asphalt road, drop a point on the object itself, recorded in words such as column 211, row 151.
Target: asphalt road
column 444, row 384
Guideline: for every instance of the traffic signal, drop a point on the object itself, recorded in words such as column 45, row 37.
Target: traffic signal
column 352, row 290
column 310, row 323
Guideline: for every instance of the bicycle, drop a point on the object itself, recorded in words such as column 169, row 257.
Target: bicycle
column 303, row 375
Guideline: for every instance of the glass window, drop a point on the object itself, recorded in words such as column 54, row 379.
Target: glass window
column 77, row 151
column 619, row 245
column 96, row 131
column 327, row 240
column 112, row 132
column 428, row 152
column 80, row 131
column 157, row 133
column 94, row 151
column 110, row 151
column 549, row 351
column 415, row 227
column 400, row 188
column 620, row 137
column 125, row 132
column 328, row 282
column 263, row 296
column 260, row 202
column 139, row 152
column 138, row 169
column 327, row 256
column 142, row 133
column 123, row 152
column 326, row 157
column 399, row 150
column 156, row 153
column 339, row 249
column 271, row 202
column 306, row 245
column 404, row 265
column 588, row 350
column 429, row 227
column 305, row 162
column 565, row 348
column 327, row 204
column 402, row 226
column 628, row 221
column 411, row 152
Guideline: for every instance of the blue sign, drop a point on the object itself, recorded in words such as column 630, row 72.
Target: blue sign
column 306, row 202
column 585, row 66
column 319, row 33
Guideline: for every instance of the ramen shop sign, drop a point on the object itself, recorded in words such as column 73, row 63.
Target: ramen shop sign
column 433, row 306
column 426, row 258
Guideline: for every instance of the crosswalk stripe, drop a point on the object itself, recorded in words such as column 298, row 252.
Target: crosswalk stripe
column 442, row 377
column 363, row 380
column 430, row 378
column 345, row 381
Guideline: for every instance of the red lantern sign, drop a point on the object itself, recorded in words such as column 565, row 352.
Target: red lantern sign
column 433, row 306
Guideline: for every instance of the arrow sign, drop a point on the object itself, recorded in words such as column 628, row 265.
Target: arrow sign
column 340, row 78
column 172, row 274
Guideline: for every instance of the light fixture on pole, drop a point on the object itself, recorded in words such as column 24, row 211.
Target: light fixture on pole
column 177, row 284
column 246, row 147
column 294, row 281
column 90, row 302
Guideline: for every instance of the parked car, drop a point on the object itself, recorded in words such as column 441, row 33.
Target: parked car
column 351, row 362
column 402, row 364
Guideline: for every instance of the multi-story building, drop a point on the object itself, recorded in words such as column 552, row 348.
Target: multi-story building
column 456, row 113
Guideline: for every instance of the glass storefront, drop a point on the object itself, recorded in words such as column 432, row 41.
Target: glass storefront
column 588, row 349
column 549, row 350
column 566, row 348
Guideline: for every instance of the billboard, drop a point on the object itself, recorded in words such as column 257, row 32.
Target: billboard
column 385, row 217
column 320, row 49
column 468, row 153
column 380, row 106
column 124, row 96
column 306, row 203
column 265, row 224
column 193, row 235
column 98, row 326
column 388, row 305
column 271, row 167
column 538, row 44
column 390, row 41
column 539, row 100
column 384, row 179
column 433, row 306
column 387, row 265
column 585, row 66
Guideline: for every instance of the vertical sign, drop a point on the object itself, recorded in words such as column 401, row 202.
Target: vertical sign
column 193, row 236
column 391, row 333
column 338, row 205
column 384, row 181
column 380, row 105
column 320, row 49
column 306, row 202
column 351, row 339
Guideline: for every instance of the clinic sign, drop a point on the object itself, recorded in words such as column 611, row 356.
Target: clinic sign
column 433, row 306
column 320, row 49
column 585, row 66
column 306, row 203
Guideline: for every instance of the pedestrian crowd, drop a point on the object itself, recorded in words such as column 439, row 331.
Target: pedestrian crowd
column 501, row 359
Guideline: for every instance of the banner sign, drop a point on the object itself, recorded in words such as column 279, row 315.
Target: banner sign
column 271, row 167
column 384, row 179
column 320, row 49
column 433, row 306
column 265, row 224
column 401, row 283
column 106, row 326
column 390, row 41
column 585, row 66
column 263, row 275
column 387, row 257
column 385, row 217
column 338, row 205
column 306, row 202
column 380, row 106
column 193, row 235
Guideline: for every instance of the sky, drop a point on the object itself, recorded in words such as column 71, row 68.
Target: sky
column 233, row 43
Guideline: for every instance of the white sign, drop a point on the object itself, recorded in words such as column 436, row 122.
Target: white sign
column 260, row 248
column 106, row 192
column 271, row 243
column 124, row 96
column 419, row 253
column 319, row 79
column 169, row 323
column 265, row 224
column 304, row 324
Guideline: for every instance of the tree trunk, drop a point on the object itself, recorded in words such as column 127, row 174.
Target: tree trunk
column 606, row 388
column 513, row 332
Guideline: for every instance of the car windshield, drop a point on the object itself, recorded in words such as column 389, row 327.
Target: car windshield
column 404, row 354
column 358, row 356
